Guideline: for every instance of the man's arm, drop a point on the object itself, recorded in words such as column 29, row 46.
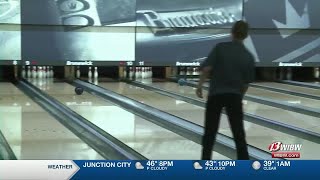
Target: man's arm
column 204, row 74
column 250, row 75
column 206, row 68
column 245, row 89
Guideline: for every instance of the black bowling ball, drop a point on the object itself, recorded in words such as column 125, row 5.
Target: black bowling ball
column 78, row 90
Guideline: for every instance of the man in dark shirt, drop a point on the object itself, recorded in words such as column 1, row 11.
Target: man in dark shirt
column 231, row 68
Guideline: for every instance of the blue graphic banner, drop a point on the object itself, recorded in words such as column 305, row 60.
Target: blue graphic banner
column 159, row 169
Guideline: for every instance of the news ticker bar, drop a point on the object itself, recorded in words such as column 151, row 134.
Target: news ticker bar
column 65, row 169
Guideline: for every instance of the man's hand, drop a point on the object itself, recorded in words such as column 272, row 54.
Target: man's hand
column 199, row 92
column 203, row 76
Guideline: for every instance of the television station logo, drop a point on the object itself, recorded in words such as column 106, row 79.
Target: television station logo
column 281, row 150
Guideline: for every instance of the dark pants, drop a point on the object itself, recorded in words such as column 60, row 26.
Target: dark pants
column 233, row 107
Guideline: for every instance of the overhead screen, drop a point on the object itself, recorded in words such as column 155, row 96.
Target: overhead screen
column 80, row 30
column 10, row 36
column 79, row 12
column 10, row 12
column 188, row 13
column 155, row 47
column 270, row 42
column 284, row 31
column 85, row 44
column 183, row 31
column 158, row 32
column 270, row 47
column 283, row 14
column 10, row 43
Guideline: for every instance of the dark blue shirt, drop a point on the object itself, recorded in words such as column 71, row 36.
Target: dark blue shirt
column 233, row 68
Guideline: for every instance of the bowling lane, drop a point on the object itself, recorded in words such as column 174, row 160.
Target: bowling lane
column 293, row 88
column 33, row 134
column 152, row 141
column 257, row 135
column 288, row 117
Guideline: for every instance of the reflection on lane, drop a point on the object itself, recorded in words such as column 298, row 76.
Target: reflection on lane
column 152, row 141
column 258, row 136
column 288, row 117
column 285, row 98
column 33, row 134
column 293, row 88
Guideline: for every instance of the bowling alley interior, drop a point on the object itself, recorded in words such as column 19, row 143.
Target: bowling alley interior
column 80, row 80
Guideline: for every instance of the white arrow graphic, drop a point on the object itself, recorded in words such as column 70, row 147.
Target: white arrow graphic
column 293, row 20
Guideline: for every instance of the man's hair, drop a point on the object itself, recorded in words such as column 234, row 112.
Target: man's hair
column 240, row 30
